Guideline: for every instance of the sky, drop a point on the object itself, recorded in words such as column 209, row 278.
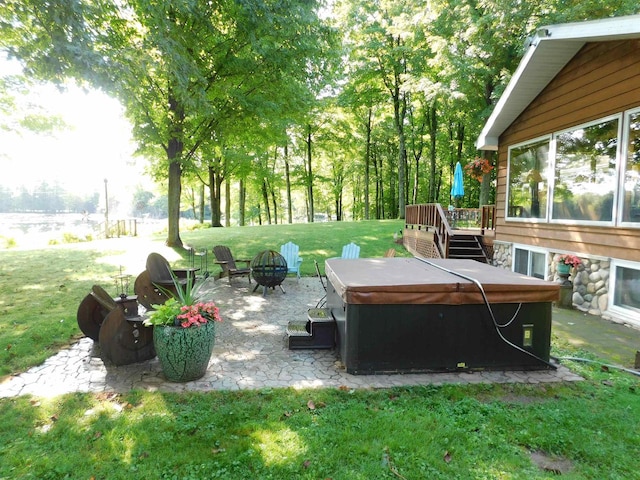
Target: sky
column 95, row 146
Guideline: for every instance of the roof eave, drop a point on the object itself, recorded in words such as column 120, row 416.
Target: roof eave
column 549, row 51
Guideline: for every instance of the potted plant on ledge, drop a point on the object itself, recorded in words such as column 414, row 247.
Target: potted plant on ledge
column 184, row 332
column 566, row 262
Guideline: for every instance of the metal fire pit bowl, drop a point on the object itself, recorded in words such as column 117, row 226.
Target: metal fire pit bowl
column 269, row 269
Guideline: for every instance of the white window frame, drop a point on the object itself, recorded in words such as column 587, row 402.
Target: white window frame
column 619, row 160
column 530, row 249
column 624, row 152
column 625, row 314
column 548, row 174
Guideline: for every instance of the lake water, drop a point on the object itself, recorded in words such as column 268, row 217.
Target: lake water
column 33, row 230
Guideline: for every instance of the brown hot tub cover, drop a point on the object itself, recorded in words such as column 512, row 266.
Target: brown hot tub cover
column 415, row 281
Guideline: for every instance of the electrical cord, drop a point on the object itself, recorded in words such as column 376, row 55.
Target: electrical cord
column 493, row 318
column 587, row 360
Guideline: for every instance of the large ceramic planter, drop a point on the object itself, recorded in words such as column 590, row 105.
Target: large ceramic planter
column 184, row 353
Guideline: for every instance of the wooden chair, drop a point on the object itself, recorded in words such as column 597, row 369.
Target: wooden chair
column 290, row 253
column 228, row 263
column 153, row 283
column 390, row 253
column 350, row 251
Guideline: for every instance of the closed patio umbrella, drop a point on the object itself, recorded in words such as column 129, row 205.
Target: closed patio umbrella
column 457, row 187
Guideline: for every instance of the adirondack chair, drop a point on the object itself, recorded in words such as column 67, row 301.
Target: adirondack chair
column 350, row 251
column 290, row 253
column 390, row 253
column 228, row 263
column 153, row 283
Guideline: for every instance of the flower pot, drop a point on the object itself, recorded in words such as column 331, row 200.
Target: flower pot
column 563, row 268
column 184, row 353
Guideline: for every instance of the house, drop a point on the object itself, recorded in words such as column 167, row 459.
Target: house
column 567, row 136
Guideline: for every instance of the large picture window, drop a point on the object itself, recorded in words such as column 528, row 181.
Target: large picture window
column 631, row 188
column 527, row 187
column 585, row 172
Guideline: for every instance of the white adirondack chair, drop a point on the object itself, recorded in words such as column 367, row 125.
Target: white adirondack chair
column 290, row 253
column 350, row 251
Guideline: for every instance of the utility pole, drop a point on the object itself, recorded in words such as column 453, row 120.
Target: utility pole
column 106, row 209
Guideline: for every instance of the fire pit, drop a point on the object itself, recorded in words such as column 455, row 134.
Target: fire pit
column 268, row 269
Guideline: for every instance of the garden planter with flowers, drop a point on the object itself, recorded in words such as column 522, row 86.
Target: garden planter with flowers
column 184, row 334
column 565, row 264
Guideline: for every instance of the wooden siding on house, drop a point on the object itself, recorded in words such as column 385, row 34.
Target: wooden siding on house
column 602, row 79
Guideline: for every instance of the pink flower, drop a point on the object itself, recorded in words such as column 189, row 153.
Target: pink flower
column 568, row 259
column 198, row 313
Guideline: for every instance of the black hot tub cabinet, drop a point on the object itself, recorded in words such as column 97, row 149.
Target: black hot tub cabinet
column 407, row 315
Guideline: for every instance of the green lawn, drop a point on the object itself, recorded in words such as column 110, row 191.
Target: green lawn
column 581, row 430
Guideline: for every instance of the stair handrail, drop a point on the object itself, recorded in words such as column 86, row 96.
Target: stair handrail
column 433, row 217
column 488, row 218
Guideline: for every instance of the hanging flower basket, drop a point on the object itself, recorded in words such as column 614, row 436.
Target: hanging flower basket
column 478, row 168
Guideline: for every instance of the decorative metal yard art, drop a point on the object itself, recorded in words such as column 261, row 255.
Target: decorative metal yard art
column 269, row 269
column 116, row 324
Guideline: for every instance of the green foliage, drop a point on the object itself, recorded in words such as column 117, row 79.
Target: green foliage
column 7, row 242
column 164, row 314
column 452, row 431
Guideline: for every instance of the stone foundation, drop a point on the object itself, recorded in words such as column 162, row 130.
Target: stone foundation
column 590, row 279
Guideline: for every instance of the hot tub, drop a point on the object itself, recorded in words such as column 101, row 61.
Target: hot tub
column 407, row 315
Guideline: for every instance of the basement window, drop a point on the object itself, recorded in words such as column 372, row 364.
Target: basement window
column 626, row 290
column 529, row 262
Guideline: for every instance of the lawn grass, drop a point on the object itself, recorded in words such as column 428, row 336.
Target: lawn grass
column 582, row 430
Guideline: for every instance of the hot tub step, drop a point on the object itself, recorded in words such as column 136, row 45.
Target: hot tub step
column 317, row 332
column 298, row 329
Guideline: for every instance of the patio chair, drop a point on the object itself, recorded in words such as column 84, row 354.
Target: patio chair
column 152, row 285
column 290, row 253
column 350, row 251
column 228, row 263
column 390, row 253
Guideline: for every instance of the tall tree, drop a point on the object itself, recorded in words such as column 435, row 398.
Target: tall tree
column 181, row 68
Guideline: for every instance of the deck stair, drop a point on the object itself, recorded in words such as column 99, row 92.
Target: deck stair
column 467, row 246
column 318, row 331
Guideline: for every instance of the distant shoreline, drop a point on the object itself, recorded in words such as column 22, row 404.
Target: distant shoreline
column 40, row 230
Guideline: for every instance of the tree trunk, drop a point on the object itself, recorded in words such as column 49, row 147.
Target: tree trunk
column 242, row 203
column 265, row 197
column 202, row 202
column 485, row 186
column 173, row 230
column 310, row 212
column 174, row 157
column 214, row 194
column 400, row 111
column 288, row 182
column 367, row 159
column 433, row 132
column 227, row 202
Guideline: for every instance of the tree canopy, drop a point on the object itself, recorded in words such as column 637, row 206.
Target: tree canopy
column 353, row 109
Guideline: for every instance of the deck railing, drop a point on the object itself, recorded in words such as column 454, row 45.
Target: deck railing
column 458, row 218
column 443, row 223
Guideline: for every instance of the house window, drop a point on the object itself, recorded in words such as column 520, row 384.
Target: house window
column 631, row 188
column 529, row 262
column 585, row 172
column 527, row 184
column 626, row 290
